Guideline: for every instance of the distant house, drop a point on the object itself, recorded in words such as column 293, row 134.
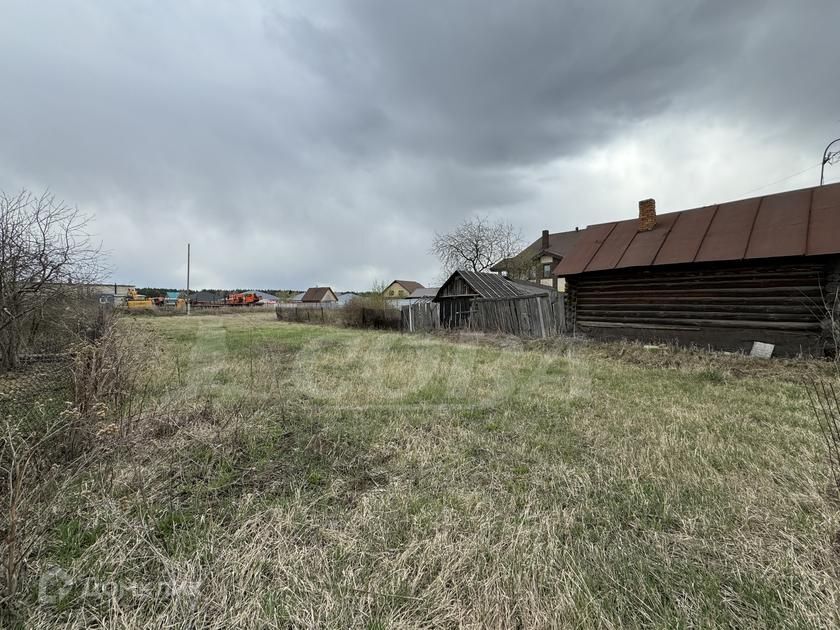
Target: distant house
column 536, row 262
column 320, row 295
column 724, row 275
column 462, row 287
column 401, row 288
column 346, row 297
column 297, row 297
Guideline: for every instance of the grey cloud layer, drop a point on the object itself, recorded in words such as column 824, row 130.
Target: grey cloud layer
column 330, row 142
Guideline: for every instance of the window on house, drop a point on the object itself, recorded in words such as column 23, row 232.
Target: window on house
column 532, row 273
column 547, row 270
column 391, row 293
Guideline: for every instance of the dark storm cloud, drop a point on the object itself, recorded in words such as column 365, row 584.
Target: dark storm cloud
column 297, row 143
column 513, row 83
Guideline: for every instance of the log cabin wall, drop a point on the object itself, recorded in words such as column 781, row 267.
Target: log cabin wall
column 720, row 305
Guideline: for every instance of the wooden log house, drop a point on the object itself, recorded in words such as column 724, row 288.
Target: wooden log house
column 723, row 276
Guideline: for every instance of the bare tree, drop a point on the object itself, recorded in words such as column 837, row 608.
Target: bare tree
column 476, row 244
column 45, row 253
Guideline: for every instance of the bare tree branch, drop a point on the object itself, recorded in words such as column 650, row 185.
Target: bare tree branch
column 45, row 253
column 477, row 244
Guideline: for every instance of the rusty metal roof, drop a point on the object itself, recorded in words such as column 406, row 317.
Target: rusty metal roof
column 795, row 223
column 491, row 285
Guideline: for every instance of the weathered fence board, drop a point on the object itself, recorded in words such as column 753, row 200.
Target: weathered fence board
column 308, row 314
column 527, row 316
column 536, row 316
column 420, row 317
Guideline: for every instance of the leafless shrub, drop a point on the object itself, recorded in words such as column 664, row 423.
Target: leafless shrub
column 370, row 312
column 108, row 367
column 362, row 312
column 99, row 370
column 45, row 256
column 43, row 449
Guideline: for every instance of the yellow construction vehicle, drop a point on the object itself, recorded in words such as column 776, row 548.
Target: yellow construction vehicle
column 136, row 301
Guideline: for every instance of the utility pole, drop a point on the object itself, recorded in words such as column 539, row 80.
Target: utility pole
column 188, row 278
column 828, row 156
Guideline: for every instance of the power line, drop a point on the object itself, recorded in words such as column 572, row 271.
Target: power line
column 783, row 179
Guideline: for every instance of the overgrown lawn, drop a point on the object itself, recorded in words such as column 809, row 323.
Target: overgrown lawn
column 302, row 476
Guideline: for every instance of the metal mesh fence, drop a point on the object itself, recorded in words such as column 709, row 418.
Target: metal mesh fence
column 35, row 382
column 42, row 375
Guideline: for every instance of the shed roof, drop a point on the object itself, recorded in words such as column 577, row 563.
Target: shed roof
column 317, row 294
column 424, row 292
column 491, row 285
column 802, row 222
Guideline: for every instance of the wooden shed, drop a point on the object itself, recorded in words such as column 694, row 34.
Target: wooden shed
column 726, row 275
column 457, row 294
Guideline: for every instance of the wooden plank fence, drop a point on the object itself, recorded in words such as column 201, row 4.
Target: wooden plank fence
column 308, row 315
column 526, row 316
column 353, row 315
column 420, row 317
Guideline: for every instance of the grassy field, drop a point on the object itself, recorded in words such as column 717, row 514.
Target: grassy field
column 285, row 475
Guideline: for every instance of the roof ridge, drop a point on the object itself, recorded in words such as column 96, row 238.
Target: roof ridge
column 781, row 224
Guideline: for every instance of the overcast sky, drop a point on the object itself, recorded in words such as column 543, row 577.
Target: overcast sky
column 302, row 143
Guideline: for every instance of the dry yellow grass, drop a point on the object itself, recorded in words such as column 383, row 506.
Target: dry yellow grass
column 297, row 476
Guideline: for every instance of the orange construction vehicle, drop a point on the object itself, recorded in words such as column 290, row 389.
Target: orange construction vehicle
column 242, row 299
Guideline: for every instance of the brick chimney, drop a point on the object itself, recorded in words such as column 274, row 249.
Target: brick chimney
column 545, row 239
column 647, row 215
